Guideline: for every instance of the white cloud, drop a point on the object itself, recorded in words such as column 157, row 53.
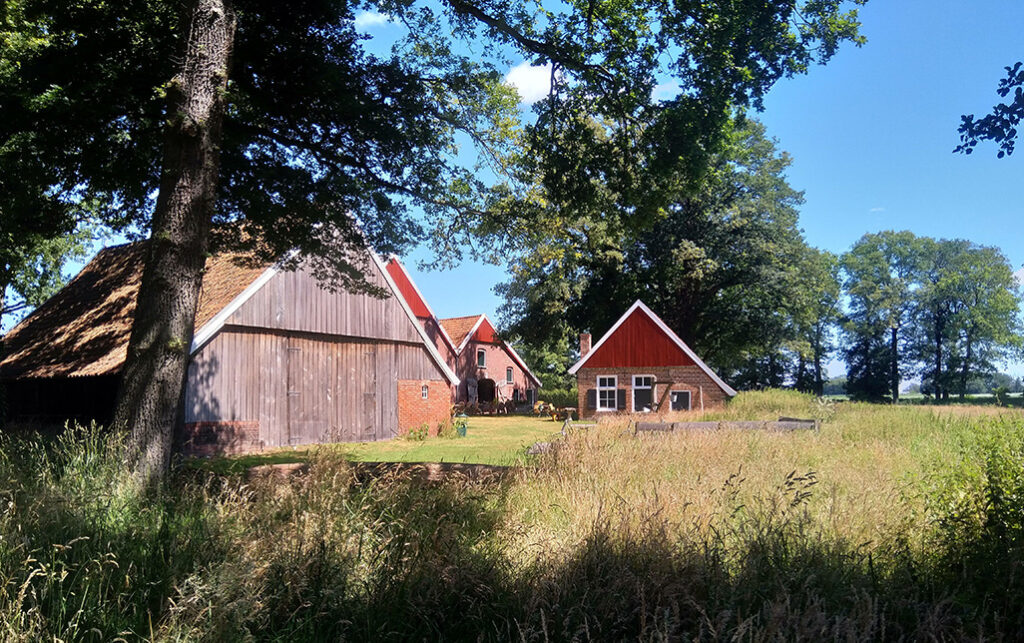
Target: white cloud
column 366, row 19
column 876, row 210
column 533, row 83
column 1020, row 276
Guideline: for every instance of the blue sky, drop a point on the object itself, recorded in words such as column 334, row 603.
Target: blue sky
column 871, row 135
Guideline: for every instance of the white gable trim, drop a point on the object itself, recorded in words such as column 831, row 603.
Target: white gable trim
column 212, row 327
column 671, row 335
column 470, row 334
column 437, row 321
column 522, row 364
column 448, row 373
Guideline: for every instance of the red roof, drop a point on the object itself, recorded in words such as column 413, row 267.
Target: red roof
column 638, row 342
column 409, row 292
column 458, row 328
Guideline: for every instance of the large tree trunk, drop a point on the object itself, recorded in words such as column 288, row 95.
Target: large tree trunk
column 819, row 384
column 966, row 369
column 158, row 351
column 894, row 366
column 938, row 383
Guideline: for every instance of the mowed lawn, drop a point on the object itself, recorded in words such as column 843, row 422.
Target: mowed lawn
column 499, row 440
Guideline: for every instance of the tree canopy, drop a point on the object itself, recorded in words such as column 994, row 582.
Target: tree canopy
column 1000, row 125
column 268, row 126
column 725, row 266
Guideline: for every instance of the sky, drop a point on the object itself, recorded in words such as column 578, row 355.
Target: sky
column 871, row 135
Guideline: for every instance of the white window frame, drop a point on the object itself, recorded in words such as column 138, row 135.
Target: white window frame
column 510, row 376
column 689, row 400
column 614, row 388
column 425, row 392
column 652, row 388
column 481, row 358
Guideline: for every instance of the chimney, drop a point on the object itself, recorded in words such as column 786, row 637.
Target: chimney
column 584, row 344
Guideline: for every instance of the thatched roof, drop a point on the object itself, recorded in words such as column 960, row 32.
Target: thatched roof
column 83, row 330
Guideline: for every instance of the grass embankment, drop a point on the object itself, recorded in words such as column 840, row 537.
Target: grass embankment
column 500, row 440
column 891, row 523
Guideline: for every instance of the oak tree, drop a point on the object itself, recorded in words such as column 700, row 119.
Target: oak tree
column 268, row 126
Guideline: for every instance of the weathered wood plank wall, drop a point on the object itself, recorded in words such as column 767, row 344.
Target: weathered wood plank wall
column 302, row 388
column 295, row 300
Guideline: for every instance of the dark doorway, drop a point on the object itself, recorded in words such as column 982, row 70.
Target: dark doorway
column 485, row 390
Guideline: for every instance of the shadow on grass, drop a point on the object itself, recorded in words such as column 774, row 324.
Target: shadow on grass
column 327, row 556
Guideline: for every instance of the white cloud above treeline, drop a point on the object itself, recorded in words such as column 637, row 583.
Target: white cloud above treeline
column 1020, row 276
column 533, row 82
column 366, row 19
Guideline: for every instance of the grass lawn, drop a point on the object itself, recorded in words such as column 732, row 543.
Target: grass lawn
column 498, row 440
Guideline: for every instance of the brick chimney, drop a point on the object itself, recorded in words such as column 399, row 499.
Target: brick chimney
column 584, row 344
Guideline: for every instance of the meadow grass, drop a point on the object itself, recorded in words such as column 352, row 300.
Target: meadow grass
column 891, row 523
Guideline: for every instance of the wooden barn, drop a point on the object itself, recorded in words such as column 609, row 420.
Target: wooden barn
column 489, row 369
column 277, row 360
column 641, row 366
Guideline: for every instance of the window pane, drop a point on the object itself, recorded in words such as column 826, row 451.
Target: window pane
column 508, row 374
column 481, row 358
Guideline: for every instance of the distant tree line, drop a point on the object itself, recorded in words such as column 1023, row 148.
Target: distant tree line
column 727, row 267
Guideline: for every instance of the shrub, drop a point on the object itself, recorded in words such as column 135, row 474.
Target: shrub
column 418, row 433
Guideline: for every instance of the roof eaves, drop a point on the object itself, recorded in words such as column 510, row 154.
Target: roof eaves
column 429, row 345
column 437, row 321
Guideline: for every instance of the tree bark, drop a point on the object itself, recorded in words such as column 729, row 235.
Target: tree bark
column 153, row 379
column 938, row 362
column 894, row 366
column 965, row 369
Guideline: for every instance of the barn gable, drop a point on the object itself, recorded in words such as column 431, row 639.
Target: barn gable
column 276, row 358
column 640, row 339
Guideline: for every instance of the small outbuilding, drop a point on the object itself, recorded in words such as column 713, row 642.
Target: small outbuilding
column 277, row 359
column 641, row 366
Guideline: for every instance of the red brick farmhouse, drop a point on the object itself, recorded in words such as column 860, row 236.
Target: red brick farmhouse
column 641, row 366
column 489, row 369
column 277, row 360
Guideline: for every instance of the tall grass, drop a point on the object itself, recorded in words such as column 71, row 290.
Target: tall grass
column 891, row 523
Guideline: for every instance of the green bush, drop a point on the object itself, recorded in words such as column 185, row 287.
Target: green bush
column 559, row 397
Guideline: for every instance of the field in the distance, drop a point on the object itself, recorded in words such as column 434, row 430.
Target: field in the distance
column 890, row 523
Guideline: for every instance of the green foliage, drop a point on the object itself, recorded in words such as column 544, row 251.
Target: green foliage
column 725, row 266
column 323, row 131
column 763, row 552
column 1001, row 124
column 945, row 309
column 559, row 397
column 418, row 433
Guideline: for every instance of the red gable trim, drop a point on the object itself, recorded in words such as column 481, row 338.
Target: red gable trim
column 413, row 298
column 645, row 341
column 408, row 290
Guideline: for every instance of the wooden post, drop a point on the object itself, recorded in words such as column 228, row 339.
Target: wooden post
column 701, row 389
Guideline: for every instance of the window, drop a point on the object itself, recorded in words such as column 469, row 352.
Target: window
column 643, row 393
column 481, row 358
column 680, row 400
column 424, row 391
column 606, row 390
column 508, row 375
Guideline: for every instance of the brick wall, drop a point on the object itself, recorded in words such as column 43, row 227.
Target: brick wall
column 497, row 360
column 413, row 410
column 674, row 378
